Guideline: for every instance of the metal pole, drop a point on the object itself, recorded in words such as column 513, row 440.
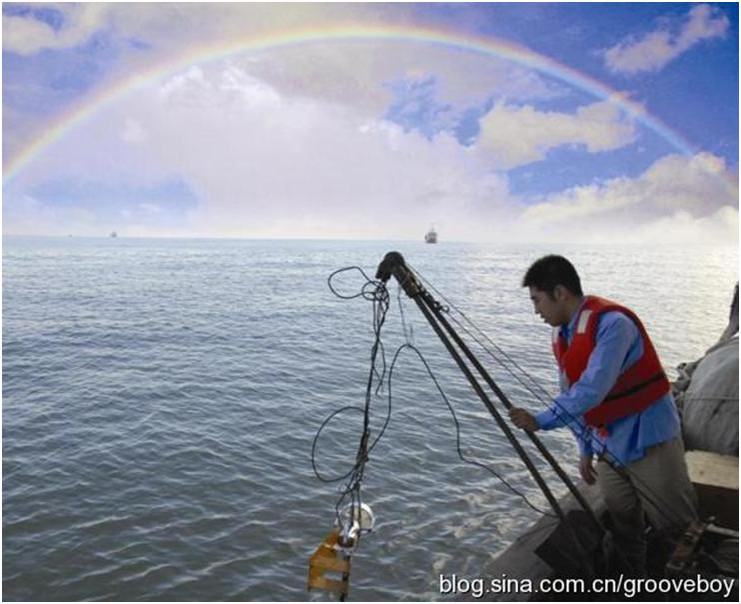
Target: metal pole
column 413, row 290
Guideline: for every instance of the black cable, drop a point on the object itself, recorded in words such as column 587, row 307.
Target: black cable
column 376, row 292
column 316, row 439
column 458, row 429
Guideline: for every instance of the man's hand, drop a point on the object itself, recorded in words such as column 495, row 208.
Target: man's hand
column 586, row 469
column 523, row 419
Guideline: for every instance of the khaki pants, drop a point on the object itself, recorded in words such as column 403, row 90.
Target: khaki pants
column 656, row 484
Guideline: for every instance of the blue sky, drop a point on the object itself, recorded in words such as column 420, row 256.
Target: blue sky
column 330, row 139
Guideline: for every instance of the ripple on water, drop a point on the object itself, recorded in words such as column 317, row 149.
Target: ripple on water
column 160, row 399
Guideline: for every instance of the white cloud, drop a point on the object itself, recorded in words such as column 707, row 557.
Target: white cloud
column 174, row 26
column 26, row 215
column 515, row 136
column 697, row 184
column 150, row 208
column 677, row 199
column 655, row 49
column 133, row 132
column 359, row 73
column 148, row 34
column 261, row 164
column 27, row 35
column 268, row 165
column 355, row 72
column 682, row 228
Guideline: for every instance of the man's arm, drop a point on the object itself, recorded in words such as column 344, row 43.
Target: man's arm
column 618, row 346
column 525, row 420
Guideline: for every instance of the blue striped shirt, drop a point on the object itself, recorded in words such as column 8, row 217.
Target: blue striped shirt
column 618, row 346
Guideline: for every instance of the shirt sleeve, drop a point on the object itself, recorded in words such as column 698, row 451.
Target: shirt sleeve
column 548, row 419
column 616, row 334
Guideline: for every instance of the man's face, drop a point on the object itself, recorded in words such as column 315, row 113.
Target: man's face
column 552, row 310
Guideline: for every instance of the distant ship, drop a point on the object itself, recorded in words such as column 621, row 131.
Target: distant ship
column 431, row 236
column 113, row 234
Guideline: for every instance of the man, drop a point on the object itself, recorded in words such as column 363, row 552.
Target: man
column 616, row 399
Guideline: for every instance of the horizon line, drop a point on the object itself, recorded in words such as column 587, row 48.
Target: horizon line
column 366, row 240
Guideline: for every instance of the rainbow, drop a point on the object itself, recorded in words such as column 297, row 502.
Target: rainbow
column 498, row 48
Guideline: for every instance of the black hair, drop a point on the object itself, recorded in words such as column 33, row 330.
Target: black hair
column 549, row 271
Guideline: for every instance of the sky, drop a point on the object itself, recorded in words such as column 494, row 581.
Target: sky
column 494, row 122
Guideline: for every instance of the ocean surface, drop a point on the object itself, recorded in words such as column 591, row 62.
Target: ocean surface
column 161, row 398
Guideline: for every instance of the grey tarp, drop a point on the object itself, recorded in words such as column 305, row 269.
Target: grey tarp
column 707, row 393
column 710, row 402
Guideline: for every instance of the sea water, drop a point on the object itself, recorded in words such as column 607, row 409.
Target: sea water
column 161, row 399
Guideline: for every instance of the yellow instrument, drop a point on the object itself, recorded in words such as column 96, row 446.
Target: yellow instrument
column 330, row 557
column 333, row 554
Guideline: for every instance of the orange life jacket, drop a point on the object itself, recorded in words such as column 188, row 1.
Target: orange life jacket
column 637, row 388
